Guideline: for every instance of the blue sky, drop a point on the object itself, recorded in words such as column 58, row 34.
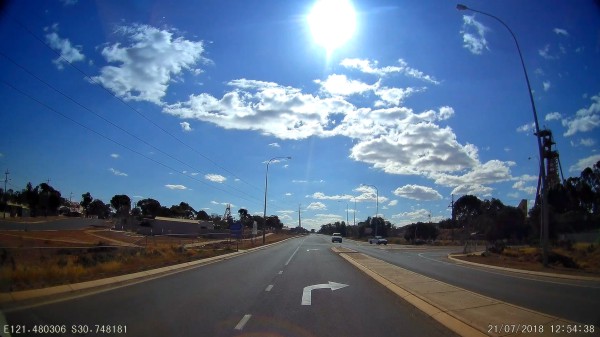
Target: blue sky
column 188, row 100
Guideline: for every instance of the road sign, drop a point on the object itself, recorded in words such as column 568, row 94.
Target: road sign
column 307, row 292
column 236, row 230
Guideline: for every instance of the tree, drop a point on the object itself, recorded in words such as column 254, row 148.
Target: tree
column 466, row 209
column 202, row 215
column 245, row 218
column 49, row 199
column 98, row 208
column 274, row 222
column 86, row 200
column 149, row 207
column 121, row 203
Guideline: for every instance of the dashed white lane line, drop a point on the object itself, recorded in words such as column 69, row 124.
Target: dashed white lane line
column 269, row 287
column 243, row 322
column 280, row 272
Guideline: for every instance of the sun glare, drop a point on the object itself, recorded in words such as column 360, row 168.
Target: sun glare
column 332, row 23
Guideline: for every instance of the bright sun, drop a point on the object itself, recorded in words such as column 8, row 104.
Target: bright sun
column 332, row 23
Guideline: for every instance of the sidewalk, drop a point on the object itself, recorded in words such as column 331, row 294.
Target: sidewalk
column 462, row 311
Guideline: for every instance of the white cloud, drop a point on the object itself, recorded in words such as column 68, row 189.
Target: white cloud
column 275, row 145
column 473, row 189
column 115, row 155
column 145, row 66
column 474, row 35
column 370, row 67
column 416, row 149
column 586, row 119
column 523, row 186
column 526, row 128
column 185, row 126
column 547, row 53
column 417, row 192
column 406, row 218
column 546, row 85
column 176, row 187
column 342, row 86
column 393, row 202
column 560, row 31
column 68, row 52
column 322, row 196
column 316, row 206
column 553, row 116
column 117, row 172
column 272, row 109
column 393, row 96
column 493, row 171
column 584, row 163
column 216, row 178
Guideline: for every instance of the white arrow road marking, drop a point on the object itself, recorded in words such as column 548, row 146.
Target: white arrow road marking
column 306, row 293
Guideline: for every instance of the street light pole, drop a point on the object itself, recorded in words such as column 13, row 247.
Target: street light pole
column 544, row 207
column 266, row 186
column 376, row 203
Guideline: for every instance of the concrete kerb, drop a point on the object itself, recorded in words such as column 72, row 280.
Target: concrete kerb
column 119, row 280
column 467, row 320
column 521, row 271
column 434, row 312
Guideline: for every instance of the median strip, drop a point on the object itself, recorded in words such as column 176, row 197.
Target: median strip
column 462, row 311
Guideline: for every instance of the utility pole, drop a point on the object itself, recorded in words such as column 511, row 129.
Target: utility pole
column 4, row 194
column 452, row 224
column 354, row 212
column 299, row 220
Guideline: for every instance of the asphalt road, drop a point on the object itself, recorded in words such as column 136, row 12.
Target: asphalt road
column 262, row 293
column 570, row 299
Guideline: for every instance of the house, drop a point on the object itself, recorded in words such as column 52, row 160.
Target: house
column 176, row 226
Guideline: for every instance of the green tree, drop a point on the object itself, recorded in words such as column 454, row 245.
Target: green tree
column 202, row 215
column 466, row 209
column 49, row 199
column 150, row 207
column 98, row 208
column 121, row 203
column 86, row 200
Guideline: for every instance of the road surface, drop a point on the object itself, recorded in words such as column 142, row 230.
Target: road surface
column 296, row 288
column 570, row 299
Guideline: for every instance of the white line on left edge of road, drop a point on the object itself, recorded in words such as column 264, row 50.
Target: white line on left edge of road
column 243, row 322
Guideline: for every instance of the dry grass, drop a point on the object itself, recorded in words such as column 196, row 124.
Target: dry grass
column 23, row 267
column 580, row 259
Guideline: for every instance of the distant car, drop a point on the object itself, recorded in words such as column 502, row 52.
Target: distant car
column 378, row 240
column 336, row 237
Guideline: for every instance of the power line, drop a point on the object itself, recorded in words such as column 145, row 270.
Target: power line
column 128, row 105
column 108, row 138
column 107, row 120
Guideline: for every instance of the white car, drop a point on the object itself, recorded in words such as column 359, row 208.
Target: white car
column 378, row 240
column 336, row 237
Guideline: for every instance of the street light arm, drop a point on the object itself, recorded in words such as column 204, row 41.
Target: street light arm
column 544, row 206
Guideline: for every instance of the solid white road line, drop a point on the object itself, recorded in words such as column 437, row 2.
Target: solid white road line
column 243, row 322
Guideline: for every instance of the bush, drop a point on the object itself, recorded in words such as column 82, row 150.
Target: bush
column 497, row 247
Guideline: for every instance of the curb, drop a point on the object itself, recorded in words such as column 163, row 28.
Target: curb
column 121, row 280
column 522, row 271
column 454, row 324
